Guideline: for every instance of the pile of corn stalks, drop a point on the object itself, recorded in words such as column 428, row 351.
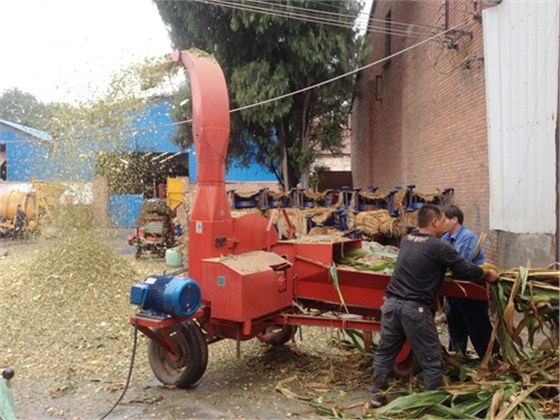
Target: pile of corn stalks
column 64, row 310
column 371, row 257
column 523, row 383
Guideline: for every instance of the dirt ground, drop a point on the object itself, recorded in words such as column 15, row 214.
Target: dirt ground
column 265, row 382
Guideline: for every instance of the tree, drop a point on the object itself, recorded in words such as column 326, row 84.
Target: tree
column 23, row 108
column 264, row 56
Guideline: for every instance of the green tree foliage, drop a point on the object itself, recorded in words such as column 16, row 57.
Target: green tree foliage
column 265, row 56
column 23, row 108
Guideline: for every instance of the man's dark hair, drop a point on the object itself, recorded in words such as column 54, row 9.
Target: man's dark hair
column 454, row 211
column 426, row 213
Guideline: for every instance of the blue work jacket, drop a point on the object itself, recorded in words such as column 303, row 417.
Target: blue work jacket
column 464, row 241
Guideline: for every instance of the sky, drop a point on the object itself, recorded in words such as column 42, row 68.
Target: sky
column 68, row 50
column 63, row 50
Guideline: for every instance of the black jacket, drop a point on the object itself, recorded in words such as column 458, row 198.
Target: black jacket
column 421, row 265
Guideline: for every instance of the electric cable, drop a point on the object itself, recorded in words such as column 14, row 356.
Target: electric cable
column 134, row 346
column 351, row 18
column 333, row 79
column 266, row 101
column 311, row 19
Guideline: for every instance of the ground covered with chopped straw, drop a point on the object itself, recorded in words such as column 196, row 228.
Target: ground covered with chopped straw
column 65, row 329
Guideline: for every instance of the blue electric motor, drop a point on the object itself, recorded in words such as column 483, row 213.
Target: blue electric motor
column 161, row 295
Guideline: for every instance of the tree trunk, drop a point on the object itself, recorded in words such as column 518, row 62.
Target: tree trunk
column 285, row 172
column 305, row 141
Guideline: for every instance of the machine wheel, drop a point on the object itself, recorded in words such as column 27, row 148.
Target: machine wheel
column 405, row 368
column 186, row 370
column 138, row 252
column 276, row 335
column 196, row 331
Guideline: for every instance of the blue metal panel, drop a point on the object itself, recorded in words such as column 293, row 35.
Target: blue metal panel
column 150, row 131
column 253, row 173
column 235, row 172
column 27, row 152
column 158, row 137
column 124, row 209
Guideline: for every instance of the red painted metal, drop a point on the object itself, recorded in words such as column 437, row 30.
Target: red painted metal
column 248, row 278
column 247, row 286
column 347, row 323
column 156, row 329
column 212, row 230
column 210, row 216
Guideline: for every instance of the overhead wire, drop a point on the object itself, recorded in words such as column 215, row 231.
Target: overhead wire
column 420, row 102
column 189, row 121
column 409, row 31
column 333, row 79
column 351, row 17
column 280, row 97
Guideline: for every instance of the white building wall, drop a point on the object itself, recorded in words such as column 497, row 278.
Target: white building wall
column 521, row 53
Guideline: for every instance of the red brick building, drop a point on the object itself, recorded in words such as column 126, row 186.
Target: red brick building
column 420, row 117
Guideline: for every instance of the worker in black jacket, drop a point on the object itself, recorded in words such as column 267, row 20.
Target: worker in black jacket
column 407, row 312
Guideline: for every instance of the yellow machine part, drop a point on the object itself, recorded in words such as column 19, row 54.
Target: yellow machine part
column 48, row 199
column 175, row 192
column 10, row 201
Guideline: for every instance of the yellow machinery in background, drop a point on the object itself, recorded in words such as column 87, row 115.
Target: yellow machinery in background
column 40, row 205
column 9, row 203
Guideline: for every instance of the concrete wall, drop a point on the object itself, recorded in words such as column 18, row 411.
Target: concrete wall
column 516, row 249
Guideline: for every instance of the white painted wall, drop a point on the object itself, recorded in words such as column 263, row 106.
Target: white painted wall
column 521, row 65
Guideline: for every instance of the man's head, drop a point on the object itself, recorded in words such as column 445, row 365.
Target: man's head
column 431, row 220
column 454, row 219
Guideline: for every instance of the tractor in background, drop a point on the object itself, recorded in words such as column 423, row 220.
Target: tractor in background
column 155, row 230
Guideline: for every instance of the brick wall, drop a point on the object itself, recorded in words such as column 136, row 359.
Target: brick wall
column 421, row 117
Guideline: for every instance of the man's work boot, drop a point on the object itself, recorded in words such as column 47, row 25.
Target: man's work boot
column 377, row 400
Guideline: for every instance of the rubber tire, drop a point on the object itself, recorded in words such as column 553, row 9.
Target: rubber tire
column 404, row 369
column 277, row 337
column 194, row 329
column 186, row 372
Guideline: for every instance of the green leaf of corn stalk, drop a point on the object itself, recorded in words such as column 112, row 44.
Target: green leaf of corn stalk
column 357, row 339
column 414, row 401
column 334, row 276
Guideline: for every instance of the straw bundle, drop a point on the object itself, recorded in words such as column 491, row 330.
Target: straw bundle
column 377, row 222
column 434, row 197
column 410, row 218
column 317, row 196
column 250, row 194
column 298, row 219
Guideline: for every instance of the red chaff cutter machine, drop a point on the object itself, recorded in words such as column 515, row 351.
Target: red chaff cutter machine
column 243, row 280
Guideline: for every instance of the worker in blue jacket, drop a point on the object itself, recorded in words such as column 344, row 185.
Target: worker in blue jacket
column 466, row 318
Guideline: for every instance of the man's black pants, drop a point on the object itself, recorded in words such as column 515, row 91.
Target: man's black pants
column 468, row 318
column 401, row 320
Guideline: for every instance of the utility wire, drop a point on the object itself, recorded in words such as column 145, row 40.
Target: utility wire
column 287, row 95
column 351, row 18
column 418, row 44
column 312, row 19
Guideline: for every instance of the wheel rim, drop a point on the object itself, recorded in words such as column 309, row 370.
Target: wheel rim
column 277, row 334
column 167, row 366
